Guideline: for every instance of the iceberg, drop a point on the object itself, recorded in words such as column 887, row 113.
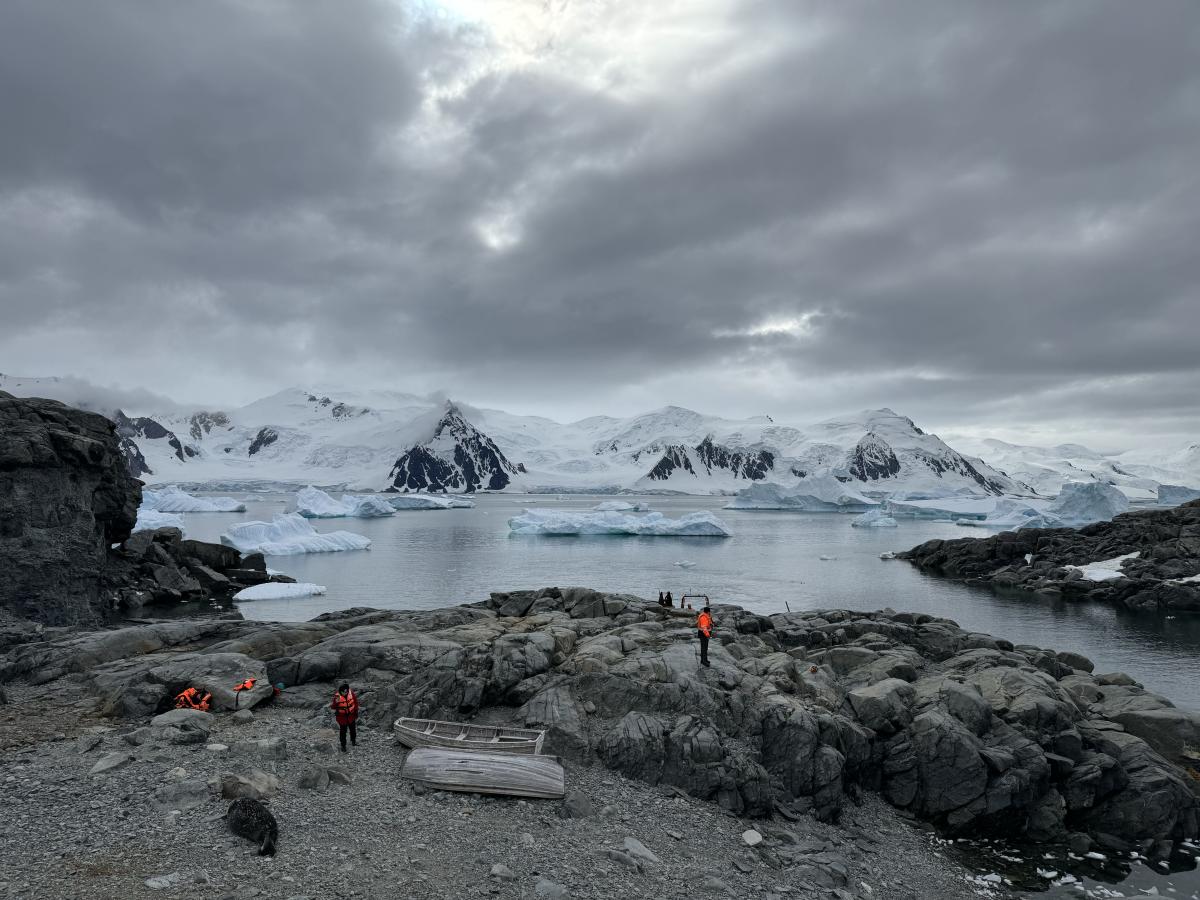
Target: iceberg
column 171, row 499
column 287, row 535
column 1084, row 502
column 1176, row 494
column 822, row 493
column 279, row 591
column 316, row 504
column 621, row 506
column 428, row 501
column 953, row 507
column 874, row 518
column 1012, row 514
column 150, row 519
column 569, row 522
column 1105, row 569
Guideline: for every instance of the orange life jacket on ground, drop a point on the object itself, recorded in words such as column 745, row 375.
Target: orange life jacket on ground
column 191, row 699
column 704, row 624
column 345, row 708
column 245, row 685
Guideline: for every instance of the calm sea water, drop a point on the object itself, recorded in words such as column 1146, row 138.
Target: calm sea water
column 773, row 561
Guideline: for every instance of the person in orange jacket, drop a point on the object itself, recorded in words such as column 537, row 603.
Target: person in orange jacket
column 345, row 711
column 704, row 628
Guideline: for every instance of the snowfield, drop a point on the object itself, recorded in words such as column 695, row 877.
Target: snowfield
column 288, row 535
column 171, row 499
column 822, row 493
column 279, row 591
column 316, row 504
column 569, row 522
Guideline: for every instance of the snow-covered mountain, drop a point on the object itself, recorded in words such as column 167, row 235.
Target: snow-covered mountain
column 1138, row 475
column 389, row 440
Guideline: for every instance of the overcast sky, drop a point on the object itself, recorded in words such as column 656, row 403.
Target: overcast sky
column 984, row 215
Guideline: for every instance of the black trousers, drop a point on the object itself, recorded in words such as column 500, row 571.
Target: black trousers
column 703, row 647
column 353, row 729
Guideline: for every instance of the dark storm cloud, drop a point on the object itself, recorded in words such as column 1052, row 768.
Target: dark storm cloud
column 976, row 213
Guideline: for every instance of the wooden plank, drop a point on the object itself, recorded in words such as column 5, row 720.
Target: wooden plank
column 486, row 773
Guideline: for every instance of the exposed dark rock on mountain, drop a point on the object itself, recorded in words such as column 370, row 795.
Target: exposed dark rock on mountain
column 798, row 711
column 459, row 458
column 752, row 465
column 873, row 459
column 67, row 495
column 203, row 423
column 265, row 438
column 68, row 498
column 1166, row 541
column 143, row 428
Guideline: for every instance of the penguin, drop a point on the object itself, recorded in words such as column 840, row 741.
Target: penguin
column 250, row 819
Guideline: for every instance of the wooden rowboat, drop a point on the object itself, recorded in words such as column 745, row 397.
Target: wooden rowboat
column 417, row 733
column 486, row 773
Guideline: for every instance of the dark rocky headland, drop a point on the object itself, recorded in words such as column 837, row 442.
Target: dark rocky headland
column 813, row 759
column 67, row 508
column 1166, row 541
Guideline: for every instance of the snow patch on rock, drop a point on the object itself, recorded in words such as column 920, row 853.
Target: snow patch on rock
column 1105, row 569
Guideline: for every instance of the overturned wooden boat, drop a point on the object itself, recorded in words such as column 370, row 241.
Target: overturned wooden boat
column 486, row 773
column 416, row 733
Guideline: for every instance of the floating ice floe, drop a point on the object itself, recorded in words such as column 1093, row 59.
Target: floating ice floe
column 428, row 501
column 150, row 519
column 888, row 554
column 313, row 503
column 821, row 493
column 954, row 508
column 874, row 518
column 1105, row 569
column 570, row 522
column 279, row 591
column 687, row 564
column 621, row 506
column 287, row 535
column 171, row 499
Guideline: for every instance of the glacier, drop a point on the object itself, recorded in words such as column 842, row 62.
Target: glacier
column 279, row 591
column 427, row 501
column 821, row 493
column 288, row 535
column 570, row 522
column 874, row 518
column 313, row 503
column 171, row 499
column 150, row 519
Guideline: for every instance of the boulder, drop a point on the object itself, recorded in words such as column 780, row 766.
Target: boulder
column 883, row 707
column 255, row 785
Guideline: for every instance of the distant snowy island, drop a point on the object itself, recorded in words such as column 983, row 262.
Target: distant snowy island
column 374, row 441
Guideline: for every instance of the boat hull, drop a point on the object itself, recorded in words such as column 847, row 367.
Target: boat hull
column 430, row 733
column 506, row 774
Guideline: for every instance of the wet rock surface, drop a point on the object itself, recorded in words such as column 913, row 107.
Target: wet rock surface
column 1166, row 543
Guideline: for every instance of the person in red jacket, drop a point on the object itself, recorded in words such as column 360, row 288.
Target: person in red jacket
column 345, row 711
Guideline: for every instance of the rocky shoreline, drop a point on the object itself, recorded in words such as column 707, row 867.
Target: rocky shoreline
column 802, row 717
column 1160, row 571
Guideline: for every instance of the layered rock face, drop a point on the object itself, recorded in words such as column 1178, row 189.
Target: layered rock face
column 65, row 496
column 1160, row 572
column 798, row 712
